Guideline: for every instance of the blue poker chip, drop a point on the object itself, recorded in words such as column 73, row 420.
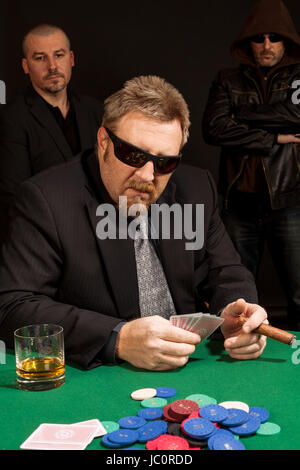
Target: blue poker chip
column 150, row 413
column 235, row 417
column 165, row 392
column 199, row 428
column 131, row 422
column 133, row 448
column 219, row 433
column 260, row 413
column 152, row 430
column 107, row 443
column 215, row 413
column 123, row 436
column 227, row 443
column 248, row 428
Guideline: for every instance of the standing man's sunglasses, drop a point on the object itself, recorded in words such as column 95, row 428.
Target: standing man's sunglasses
column 260, row 38
column 136, row 157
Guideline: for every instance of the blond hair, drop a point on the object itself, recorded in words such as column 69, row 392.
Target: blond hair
column 43, row 29
column 151, row 96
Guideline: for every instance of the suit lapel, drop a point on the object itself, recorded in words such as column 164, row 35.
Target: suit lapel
column 178, row 263
column 41, row 112
column 117, row 255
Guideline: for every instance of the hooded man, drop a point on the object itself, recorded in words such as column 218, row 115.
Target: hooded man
column 250, row 113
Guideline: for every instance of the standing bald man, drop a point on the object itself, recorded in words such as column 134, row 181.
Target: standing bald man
column 49, row 123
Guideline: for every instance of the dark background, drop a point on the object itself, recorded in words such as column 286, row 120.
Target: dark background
column 185, row 42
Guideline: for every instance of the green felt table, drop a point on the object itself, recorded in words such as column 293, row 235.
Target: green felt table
column 272, row 381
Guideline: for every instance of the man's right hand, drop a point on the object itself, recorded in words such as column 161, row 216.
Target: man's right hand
column 288, row 138
column 153, row 343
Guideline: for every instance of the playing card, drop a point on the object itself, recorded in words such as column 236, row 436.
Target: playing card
column 203, row 324
column 61, row 437
column 101, row 430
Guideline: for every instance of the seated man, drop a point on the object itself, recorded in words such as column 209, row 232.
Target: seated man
column 70, row 264
column 49, row 123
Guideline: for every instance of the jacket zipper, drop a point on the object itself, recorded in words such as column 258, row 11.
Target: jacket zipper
column 262, row 160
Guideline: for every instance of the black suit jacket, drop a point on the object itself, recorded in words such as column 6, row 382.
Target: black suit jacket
column 55, row 269
column 31, row 141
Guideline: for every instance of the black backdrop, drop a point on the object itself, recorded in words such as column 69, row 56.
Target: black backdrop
column 185, row 42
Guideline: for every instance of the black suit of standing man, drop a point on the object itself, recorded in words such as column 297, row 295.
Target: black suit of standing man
column 61, row 267
column 49, row 123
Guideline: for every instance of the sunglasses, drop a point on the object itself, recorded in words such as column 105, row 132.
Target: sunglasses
column 136, row 157
column 260, row 38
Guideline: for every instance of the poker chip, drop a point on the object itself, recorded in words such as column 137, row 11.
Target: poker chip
column 152, row 445
column 131, row 422
column 192, row 415
column 181, row 409
column 248, row 428
column 268, row 429
column 260, row 413
column 132, row 448
column 199, row 428
column 239, row 405
column 227, row 443
column 165, row 392
column 143, row 394
column 154, row 403
column 152, row 430
column 215, row 413
column 235, row 417
column 218, row 433
column 123, row 436
column 202, row 400
column 107, row 443
column 172, row 443
column 110, row 426
column 150, row 413
column 167, row 415
column 193, row 423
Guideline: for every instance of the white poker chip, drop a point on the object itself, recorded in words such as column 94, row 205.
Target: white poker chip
column 235, row 404
column 143, row 394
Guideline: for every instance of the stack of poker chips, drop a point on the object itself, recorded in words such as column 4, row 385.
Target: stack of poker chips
column 193, row 423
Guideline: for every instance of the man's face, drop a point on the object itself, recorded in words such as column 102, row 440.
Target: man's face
column 139, row 185
column 48, row 62
column 268, row 54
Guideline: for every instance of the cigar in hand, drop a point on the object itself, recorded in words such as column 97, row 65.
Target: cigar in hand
column 271, row 332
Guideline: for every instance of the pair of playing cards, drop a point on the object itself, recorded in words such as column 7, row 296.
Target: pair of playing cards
column 64, row 436
column 203, row 324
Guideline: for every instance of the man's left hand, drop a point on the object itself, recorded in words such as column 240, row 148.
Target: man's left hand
column 240, row 340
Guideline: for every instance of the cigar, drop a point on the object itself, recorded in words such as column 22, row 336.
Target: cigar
column 272, row 332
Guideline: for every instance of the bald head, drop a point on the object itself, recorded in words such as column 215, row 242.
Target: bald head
column 42, row 30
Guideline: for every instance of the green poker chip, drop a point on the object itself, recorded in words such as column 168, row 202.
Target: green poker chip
column 268, row 429
column 202, row 400
column 154, row 402
column 110, row 426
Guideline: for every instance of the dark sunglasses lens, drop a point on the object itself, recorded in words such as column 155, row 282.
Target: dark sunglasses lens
column 166, row 165
column 260, row 38
column 129, row 156
column 275, row 38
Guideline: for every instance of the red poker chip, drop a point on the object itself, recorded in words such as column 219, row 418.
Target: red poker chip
column 152, row 445
column 181, row 409
column 167, row 415
column 172, row 443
